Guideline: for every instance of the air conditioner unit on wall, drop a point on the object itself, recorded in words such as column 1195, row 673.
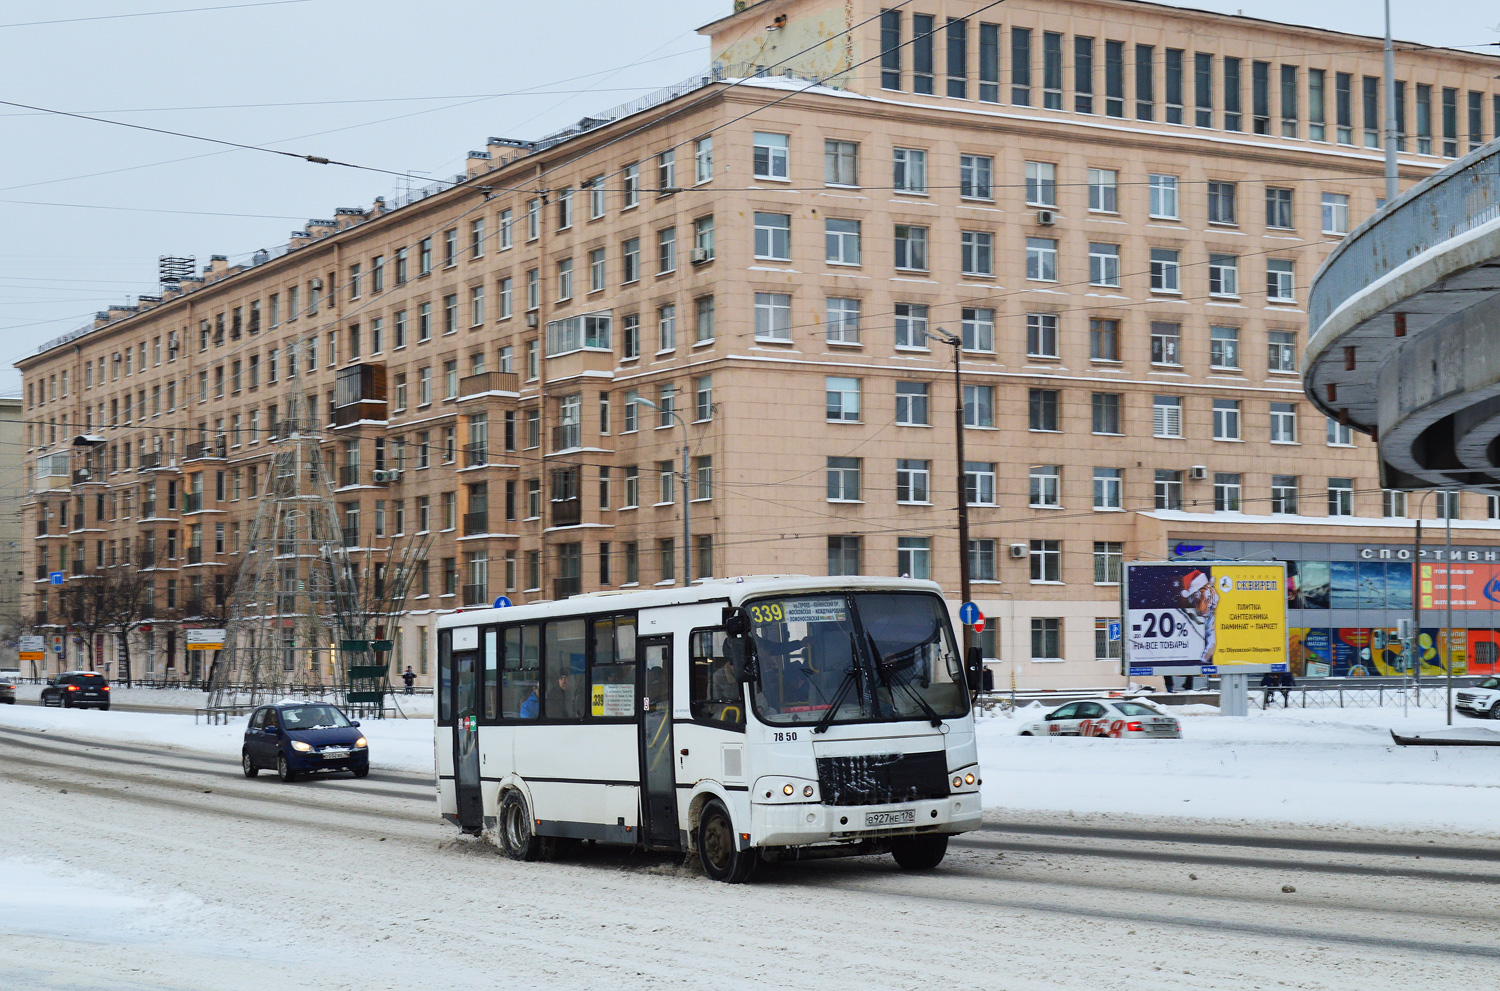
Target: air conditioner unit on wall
column 1045, row 218
column 699, row 256
column 532, row 319
column 1020, row 550
column 1198, row 473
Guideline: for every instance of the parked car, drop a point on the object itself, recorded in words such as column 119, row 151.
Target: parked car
column 8, row 681
column 1481, row 701
column 297, row 738
column 1114, row 718
column 76, row 689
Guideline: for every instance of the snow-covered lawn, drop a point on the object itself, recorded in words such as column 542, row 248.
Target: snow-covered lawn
column 1316, row 767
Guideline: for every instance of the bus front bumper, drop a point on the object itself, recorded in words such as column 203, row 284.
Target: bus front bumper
column 799, row 824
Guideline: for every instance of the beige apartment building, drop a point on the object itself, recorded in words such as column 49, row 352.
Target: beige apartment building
column 1116, row 207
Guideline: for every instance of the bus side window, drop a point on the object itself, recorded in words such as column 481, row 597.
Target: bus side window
column 612, row 676
column 715, row 694
column 491, row 674
column 518, row 677
column 565, row 692
column 445, row 679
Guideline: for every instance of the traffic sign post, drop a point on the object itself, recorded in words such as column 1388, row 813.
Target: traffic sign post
column 978, row 624
column 55, row 577
column 968, row 613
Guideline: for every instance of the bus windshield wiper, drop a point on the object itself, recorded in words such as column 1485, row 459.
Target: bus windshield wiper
column 930, row 712
column 838, row 697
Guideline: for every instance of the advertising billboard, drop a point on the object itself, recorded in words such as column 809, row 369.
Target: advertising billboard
column 1204, row 616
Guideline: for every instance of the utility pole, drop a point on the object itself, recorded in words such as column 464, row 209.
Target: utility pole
column 1392, row 186
column 1448, row 553
column 957, row 343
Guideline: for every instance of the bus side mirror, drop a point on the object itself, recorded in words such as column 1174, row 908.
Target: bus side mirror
column 741, row 658
column 735, row 622
column 974, row 669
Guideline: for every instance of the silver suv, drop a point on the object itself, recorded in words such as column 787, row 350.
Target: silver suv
column 1482, row 701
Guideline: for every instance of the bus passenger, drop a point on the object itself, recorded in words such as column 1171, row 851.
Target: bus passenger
column 531, row 705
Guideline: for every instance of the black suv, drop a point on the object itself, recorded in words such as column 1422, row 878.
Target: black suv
column 77, row 688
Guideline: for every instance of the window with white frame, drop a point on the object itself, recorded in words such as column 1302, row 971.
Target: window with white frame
column 1393, row 503
column 1105, row 413
column 843, row 479
column 1104, row 265
column 1046, row 561
column 1109, row 489
column 979, row 483
column 1280, row 286
column 1104, row 191
column 630, row 185
column 666, row 171
column 912, row 404
column 596, row 270
column 1106, row 649
column 703, row 238
column 1168, row 488
column 910, row 170
column 1166, row 416
column 912, row 478
column 982, row 560
column 1335, row 213
column 1166, row 343
column 1045, row 486
column 1227, row 419
column 1278, row 208
column 914, row 557
column 773, row 316
column 1340, row 497
column 1226, row 492
column 977, row 253
column 840, row 163
column 1224, row 347
column 1041, row 259
column 1281, row 350
column 1163, row 190
column 979, row 405
column 975, row 177
column 773, row 236
column 978, row 327
column 1221, row 203
column 703, row 159
column 843, row 320
column 911, row 247
column 1165, row 270
column 1224, row 275
column 1340, row 434
column 595, row 187
column 1041, row 184
column 770, row 155
column 843, row 399
column 703, row 394
column 1109, row 562
column 1284, row 494
column 1283, row 423
column 703, row 319
column 911, row 325
column 666, row 328
column 841, row 240
column 666, row 250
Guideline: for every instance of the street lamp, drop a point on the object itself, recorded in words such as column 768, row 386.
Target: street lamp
column 957, row 343
column 687, row 522
column 1416, row 598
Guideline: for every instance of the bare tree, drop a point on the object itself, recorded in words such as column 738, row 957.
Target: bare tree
column 130, row 599
column 85, row 602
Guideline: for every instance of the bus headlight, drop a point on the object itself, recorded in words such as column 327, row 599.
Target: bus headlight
column 958, row 781
column 807, row 791
column 968, row 779
column 787, row 789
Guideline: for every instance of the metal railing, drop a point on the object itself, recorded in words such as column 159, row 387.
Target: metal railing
column 566, row 436
column 476, row 455
column 351, row 536
column 192, row 502
column 564, row 587
column 348, row 475
column 206, row 449
column 567, row 512
column 476, row 595
column 476, row 523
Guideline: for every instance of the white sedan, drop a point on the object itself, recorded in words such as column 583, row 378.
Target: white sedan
column 1116, row 718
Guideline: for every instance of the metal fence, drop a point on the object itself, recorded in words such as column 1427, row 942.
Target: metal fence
column 1345, row 697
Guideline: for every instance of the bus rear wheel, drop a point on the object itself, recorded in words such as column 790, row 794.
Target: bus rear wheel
column 517, row 837
column 920, row 853
column 718, row 851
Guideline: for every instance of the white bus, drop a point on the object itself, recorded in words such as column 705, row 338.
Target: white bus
column 744, row 719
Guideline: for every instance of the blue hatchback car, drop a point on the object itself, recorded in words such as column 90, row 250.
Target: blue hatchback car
column 297, row 738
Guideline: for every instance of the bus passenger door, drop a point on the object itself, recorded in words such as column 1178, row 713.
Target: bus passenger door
column 658, row 763
column 466, row 732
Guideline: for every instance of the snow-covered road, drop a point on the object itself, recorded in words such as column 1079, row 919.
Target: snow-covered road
column 139, row 865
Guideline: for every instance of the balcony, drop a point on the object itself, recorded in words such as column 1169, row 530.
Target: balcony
column 567, row 512
column 351, row 536
column 476, row 455
column 566, row 436
column 564, row 587
column 359, row 394
column 203, row 450
column 41, row 572
column 148, row 560
column 348, row 475
column 77, row 569
column 41, row 527
column 41, row 618
column 192, row 607
column 487, row 383
column 78, row 521
column 150, row 461
column 195, row 555
column 476, row 595
column 148, row 510
column 87, row 476
column 476, row 523
column 286, row 604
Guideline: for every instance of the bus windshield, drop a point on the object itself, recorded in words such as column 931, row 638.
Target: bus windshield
column 851, row 658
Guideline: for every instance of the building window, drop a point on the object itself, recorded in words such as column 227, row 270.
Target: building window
column 773, row 236
column 989, row 63
column 703, row 159
column 841, row 241
column 1446, row 507
column 1282, row 350
column 630, row 185
column 1106, row 649
column 703, row 239
column 975, row 177
column 1041, row 259
column 1224, row 276
column 979, row 406
column 1042, row 409
column 1166, row 416
column 1108, row 489
column 1340, row 434
column 1109, row 562
column 630, row 260
column 1226, row 492
column 703, row 319
column 1224, row 347
column 911, row 247
column 1165, row 270
column 914, row 557
column 922, row 30
column 843, row 479
column 1166, row 343
column 840, row 163
column 770, row 156
column 1168, row 488
column 1041, row 336
column 843, row 320
column 1045, row 486
column 1221, row 203
column 977, row 253
column 912, row 403
column 1046, row 638
column 773, row 316
column 1163, row 196
column 979, row 483
column 1106, row 413
column 1020, row 66
column 1393, row 503
column 912, row 477
column 844, row 555
column 1083, row 75
column 1046, row 561
column 1340, row 497
column 1278, row 208
column 1052, row 70
column 911, row 325
column 982, row 560
column 910, row 170
column 1226, row 419
column 1104, row 191
column 1284, row 494
column 1335, row 213
column 843, row 399
column 1280, row 286
column 1104, row 265
column 1104, row 340
column 1041, row 184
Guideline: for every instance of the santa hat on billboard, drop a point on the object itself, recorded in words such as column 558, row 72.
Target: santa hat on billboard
column 1192, row 583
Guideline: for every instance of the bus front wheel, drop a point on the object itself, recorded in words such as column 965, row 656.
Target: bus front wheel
column 718, row 851
column 920, row 853
column 517, row 837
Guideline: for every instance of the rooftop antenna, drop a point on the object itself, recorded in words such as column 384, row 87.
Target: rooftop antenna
column 173, row 269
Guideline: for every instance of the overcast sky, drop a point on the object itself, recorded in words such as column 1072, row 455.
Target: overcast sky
column 87, row 207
